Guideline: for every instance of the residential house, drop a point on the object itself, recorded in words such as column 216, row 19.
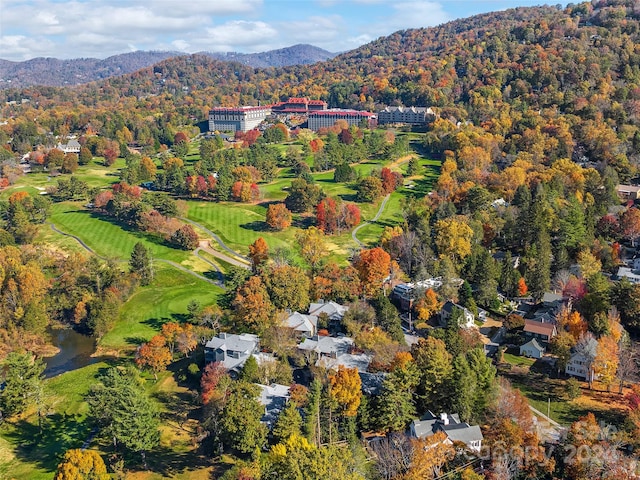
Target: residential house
column 274, row 398
column 467, row 320
column 72, row 146
column 532, row 349
column 333, row 310
column 552, row 301
column 405, row 294
column 541, row 331
column 231, row 350
column 582, row 357
column 628, row 192
column 633, row 275
column 455, row 430
column 330, row 352
column 304, row 325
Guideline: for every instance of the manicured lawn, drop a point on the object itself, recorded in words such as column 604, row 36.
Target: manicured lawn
column 518, row 360
column 106, row 237
column 238, row 224
column 165, row 300
column 25, row 452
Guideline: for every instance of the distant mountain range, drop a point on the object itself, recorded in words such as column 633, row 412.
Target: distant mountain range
column 56, row 73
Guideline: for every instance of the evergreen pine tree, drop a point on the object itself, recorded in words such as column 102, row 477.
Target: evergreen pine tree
column 141, row 263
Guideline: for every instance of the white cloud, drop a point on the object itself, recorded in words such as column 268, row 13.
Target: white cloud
column 20, row 47
column 251, row 36
column 416, row 14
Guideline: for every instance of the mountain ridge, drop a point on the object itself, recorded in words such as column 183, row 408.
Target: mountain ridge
column 54, row 72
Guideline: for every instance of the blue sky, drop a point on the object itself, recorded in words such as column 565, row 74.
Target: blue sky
column 100, row 28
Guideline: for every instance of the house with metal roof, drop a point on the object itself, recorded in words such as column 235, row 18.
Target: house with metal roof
column 450, row 424
column 231, row 350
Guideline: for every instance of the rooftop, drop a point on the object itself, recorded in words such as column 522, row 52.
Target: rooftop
column 539, row 328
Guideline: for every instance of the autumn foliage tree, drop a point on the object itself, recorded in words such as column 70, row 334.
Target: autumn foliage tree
column 428, row 456
column 154, row 355
column 258, row 254
column 428, row 305
column 252, row 306
column 522, row 287
column 373, row 267
column 80, row 464
column 278, row 216
column 346, row 389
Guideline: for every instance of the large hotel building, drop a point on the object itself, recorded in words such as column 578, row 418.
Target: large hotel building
column 327, row 118
column 236, row 118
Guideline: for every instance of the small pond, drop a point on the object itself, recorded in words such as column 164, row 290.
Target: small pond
column 75, row 351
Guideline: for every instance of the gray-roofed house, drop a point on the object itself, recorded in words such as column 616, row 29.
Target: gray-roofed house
column 231, row 350
column 580, row 363
column 274, row 398
column 451, row 426
column 72, row 146
column 333, row 310
column 631, row 274
column 331, row 352
column 552, row 301
column 467, row 320
column 305, row 325
column 532, row 349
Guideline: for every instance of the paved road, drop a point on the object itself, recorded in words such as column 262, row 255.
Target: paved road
column 161, row 260
column 206, row 247
column 380, row 210
column 216, row 238
column 196, row 252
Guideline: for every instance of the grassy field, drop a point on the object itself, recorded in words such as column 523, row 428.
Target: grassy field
column 165, row 300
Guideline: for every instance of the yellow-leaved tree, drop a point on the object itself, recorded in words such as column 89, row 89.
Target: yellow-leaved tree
column 346, row 389
column 79, row 464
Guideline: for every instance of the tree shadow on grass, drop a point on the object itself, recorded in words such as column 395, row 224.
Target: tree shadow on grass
column 257, row 226
column 45, row 447
column 349, row 197
column 303, row 222
column 156, row 323
column 135, row 340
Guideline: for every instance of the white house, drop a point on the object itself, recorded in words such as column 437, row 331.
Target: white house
column 451, row 426
column 467, row 320
column 581, row 362
column 532, row 349
column 273, row 398
column 72, row 146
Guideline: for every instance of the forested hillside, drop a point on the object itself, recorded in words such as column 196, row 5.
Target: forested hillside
column 525, row 75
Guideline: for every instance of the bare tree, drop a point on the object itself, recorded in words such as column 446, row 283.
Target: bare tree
column 393, row 455
column 628, row 358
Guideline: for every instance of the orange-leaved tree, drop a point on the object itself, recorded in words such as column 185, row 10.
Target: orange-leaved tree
column 258, row 253
column 278, row 216
column 373, row 267
column 154, row 355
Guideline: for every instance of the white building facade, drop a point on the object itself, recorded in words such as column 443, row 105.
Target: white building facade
column 232, row 119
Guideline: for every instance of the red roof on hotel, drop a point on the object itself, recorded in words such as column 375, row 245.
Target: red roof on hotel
column 335, row 113
column 239, row 109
